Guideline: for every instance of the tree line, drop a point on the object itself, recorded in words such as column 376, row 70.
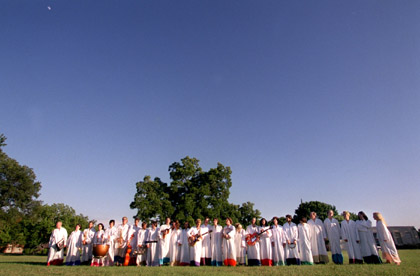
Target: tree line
column 192, row 193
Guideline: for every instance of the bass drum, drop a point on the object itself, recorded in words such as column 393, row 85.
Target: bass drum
column 100, row 250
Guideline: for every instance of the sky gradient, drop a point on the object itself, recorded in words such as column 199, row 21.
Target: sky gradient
column 311, row 100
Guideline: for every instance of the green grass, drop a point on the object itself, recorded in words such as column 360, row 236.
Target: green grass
column 36, row 265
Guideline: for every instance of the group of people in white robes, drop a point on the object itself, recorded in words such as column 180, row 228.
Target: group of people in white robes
column 206, row 244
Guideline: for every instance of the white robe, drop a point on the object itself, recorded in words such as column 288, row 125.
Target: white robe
column 195, row 251
column 153, row 250
column 278, row 238
column 389, row 251
column 98, row 238
column 142, row 235
column 74, row 243
column 291, row 232
column 318, row 234
column 184, row 248
column 123, row 232
column 240, row 246
column 56, row 256
column 349, row 232
column 205, row 243
column 216, row 245
column 174, row 248
column 265, row 246
column 110, row 237
column 254, row 254
column 333, row 230
column 305, row 233
column 164, row 244
column 228, row 246
column 133, row 233
column 367, row 241
column 88, row 235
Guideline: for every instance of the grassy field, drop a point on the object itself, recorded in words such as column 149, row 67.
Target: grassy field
column 36, row 265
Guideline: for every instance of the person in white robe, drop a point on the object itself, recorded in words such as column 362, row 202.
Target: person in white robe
column 292, row 248
column 174, row 248
column 74, row 244
column 205, row 243
column 304, row 238
column 228, row 244
column 318, row 238
column 58, row 240
column 122, row 241
column 98, row 239
column 367, row 240
column 164, row 240
column 240, row 244
column 133, row 233
column 216, row 243
column 152, row 247
column 110, row 238
column 195, row 238
column 141, row 250
column 254, row 255
column 278, row 242
column 184, row 247
column 389, row 251
column 265, row 243
column 88, row 234
column 333, row 230
column 351, row 239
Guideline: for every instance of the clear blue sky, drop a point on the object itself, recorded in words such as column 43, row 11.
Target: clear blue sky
column 312, row 100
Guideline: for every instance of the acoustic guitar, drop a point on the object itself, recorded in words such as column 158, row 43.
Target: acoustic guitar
column 251, row 239
column 192, row 240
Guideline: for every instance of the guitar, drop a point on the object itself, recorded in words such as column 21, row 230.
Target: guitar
column 127, row 254
column 192, row 240
column 251, row 239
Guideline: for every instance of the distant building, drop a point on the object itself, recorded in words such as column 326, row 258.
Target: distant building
column 404, row 236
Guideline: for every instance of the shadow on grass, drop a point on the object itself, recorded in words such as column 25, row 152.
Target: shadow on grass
column 27, row 263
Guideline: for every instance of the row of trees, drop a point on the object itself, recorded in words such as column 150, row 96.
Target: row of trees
column 24, row 219
column 195, row 193
column 192, row 193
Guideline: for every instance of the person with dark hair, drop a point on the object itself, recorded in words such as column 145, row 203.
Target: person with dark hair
column 205, row 243
column 254, row 255
column 278, row 242
column 389, row 251
column 141, row 244
column 58, row 240
column 265, row 243
column 292, row 248
column 88, row 235
column 184, row 259
column 74, row 243
column 305, row 232
column 216, row 243
column 110, row 237
column 333, row 230
column 174, row 250
column 99, row 238
column 367, row 240
column 228, row 246
column 351, row 238
column 318, row 238
column 152, row 248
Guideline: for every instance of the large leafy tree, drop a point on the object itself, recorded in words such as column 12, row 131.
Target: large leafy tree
column 192, row 193
column 24, row 219
column 18, row 186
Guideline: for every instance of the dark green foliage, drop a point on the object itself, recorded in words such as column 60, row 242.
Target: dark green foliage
column 192, row 193
column 23, row 219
